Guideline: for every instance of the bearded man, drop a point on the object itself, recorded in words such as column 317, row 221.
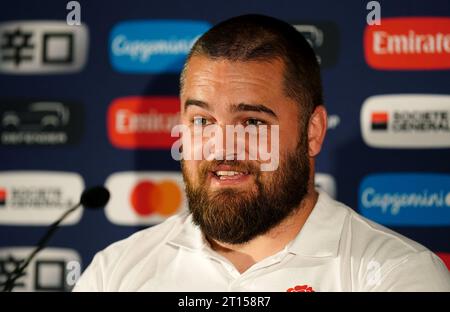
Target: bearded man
column 253, row 230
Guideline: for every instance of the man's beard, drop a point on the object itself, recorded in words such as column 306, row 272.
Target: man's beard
column 234, row 216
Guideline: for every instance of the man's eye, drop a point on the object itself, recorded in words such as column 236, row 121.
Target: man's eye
column 200, row 121
column 254, row 122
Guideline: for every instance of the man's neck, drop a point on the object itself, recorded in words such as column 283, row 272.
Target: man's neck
column 243, row 256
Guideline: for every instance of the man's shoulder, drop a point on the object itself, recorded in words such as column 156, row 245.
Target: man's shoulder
column 125, row 260
column 367, row 238
column 360, row 233
column 375, row 238
column 149, row 238
column 374, row 250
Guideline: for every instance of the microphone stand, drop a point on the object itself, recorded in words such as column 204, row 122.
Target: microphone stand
column 18, row 272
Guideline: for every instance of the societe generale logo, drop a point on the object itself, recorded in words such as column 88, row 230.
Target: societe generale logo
column 39, row 197
column 143, row 198
column 408, row 43
column 406, row 121
column 143, row 122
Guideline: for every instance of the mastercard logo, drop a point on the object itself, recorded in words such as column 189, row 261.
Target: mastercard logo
column 145, row 197
column 164, row 198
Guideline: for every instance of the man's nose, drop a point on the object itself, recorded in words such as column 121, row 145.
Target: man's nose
column 224, row 144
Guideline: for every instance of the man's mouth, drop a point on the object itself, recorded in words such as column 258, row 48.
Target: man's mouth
column 229, row 174
column 225, row 175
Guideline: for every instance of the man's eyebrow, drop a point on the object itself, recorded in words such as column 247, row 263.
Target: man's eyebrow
column 243, row 107
column 191, row 102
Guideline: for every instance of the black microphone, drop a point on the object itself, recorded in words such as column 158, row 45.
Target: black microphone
column 94, row 197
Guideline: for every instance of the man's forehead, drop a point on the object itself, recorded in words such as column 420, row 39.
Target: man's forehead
column 250, row 76
column 203, row 65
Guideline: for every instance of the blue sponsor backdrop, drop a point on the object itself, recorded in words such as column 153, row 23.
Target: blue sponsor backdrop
column 153, row 46
column 406, row 199
column 348, row 81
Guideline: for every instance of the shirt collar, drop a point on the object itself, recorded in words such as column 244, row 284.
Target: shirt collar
column 319, row 236
column 190, row 236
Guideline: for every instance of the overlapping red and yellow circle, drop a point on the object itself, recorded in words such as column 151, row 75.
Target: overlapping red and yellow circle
column 149, row 197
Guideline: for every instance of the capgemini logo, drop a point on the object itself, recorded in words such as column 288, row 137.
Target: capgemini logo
column 414, row 199
column 154, row 46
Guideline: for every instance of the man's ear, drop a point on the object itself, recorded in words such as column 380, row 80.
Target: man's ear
column 317, row 128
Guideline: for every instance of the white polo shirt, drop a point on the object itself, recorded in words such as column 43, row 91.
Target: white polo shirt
column 336, row 250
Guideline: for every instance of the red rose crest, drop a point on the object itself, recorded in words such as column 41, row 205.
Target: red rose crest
column 301, row 288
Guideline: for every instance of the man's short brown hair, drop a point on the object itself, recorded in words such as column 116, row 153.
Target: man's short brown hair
column 263, row 38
